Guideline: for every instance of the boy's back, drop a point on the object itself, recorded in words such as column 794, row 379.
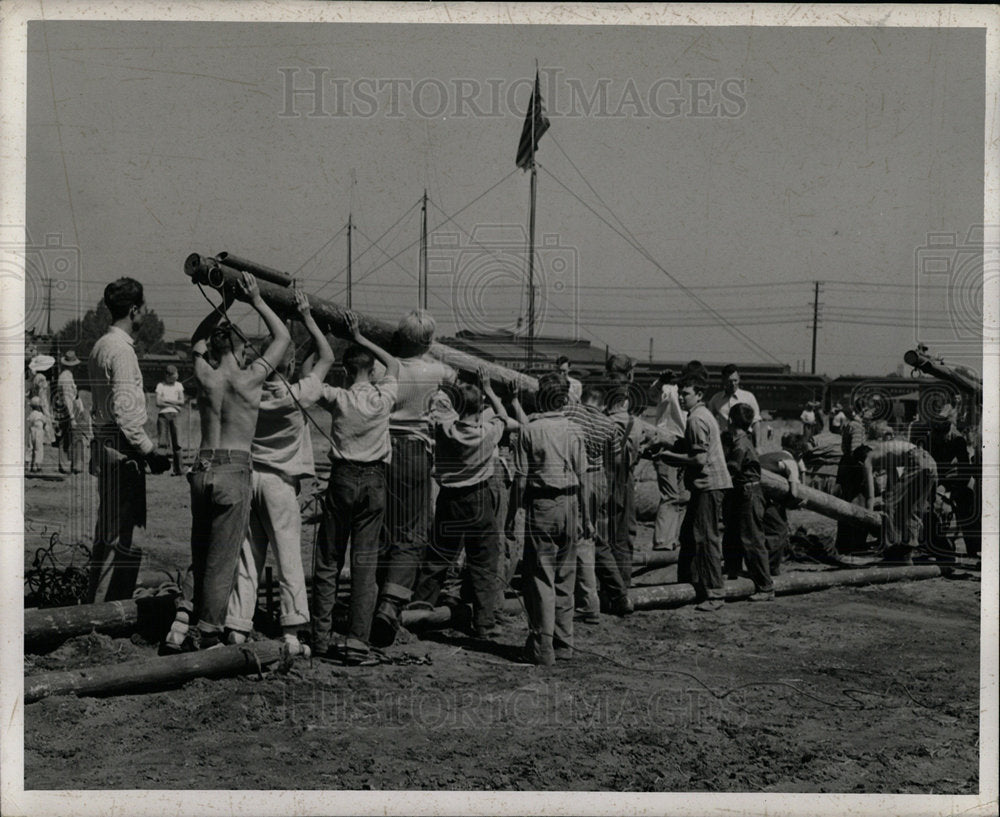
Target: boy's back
column 228, row 400
column 550, row 451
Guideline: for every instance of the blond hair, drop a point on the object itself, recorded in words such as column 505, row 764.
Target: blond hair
column 416, row 329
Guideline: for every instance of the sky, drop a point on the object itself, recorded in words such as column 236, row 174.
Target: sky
column 694, row 185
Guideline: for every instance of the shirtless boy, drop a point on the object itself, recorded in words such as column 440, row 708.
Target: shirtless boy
column 228, row 398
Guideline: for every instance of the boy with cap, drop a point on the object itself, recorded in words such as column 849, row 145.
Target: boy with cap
column 70, row 451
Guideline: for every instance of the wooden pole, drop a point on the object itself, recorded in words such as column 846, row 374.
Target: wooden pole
column 168, row 670
column 787, row 584
column 423, row 252
column 350, row 255
column 330, row 317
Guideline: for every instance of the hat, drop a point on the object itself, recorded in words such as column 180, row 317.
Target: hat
column 41, row 363
column 70, row 359
column 36, row 402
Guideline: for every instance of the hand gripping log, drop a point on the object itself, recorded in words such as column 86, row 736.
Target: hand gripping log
column 225, row 269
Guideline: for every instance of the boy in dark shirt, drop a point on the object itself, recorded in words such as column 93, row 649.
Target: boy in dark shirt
column 743, row 513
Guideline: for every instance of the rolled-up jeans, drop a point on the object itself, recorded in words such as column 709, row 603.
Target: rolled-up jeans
column 220, row 513
column 274, row 519
column 407, row 516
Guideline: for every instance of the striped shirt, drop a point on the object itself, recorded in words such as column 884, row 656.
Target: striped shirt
column 599, row 431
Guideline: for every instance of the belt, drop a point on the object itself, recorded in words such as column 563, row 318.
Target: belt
column 224, row 456
column 340, row 463
column 544, row 490
column 592, row 468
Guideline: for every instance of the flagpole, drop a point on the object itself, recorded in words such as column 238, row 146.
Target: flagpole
column 531, row 228
column 423, row 253
column 350, row 225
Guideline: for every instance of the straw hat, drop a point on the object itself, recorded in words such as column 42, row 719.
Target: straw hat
column 70, row 359
column 41, row 363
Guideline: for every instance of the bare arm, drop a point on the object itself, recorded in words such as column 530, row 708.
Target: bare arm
column 320, row 365
column 275, row 351
column 519, row 414
column 387, row 360
column 491, row 395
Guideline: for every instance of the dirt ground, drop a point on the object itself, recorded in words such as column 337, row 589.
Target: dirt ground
column 872, row 689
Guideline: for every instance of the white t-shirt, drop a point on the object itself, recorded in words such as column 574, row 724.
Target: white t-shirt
column 720, row 404
column 170, row 397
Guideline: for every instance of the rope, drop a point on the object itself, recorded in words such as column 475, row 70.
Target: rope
column 51, row 582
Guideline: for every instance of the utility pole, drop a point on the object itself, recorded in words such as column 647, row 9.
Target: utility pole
column 650, row 350
column 350, row 227
column 48, row 307
column 815, row 324
column 422, row 283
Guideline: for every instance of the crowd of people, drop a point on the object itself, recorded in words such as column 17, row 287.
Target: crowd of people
column 403, row 427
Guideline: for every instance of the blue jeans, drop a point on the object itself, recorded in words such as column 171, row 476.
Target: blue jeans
column 354, row 508
column 407, row 516
column 220, row 516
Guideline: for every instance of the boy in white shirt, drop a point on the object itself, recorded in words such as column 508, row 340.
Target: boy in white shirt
column 169, row 400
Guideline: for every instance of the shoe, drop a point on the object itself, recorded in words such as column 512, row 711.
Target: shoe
column 588, row 618
column 763, row 595
column 385, row 624
column 237, row 637
column 622, row 607
column 486, row 633
column 174, row 641
column 419, row 605
column 710, row 605
column 564, row 654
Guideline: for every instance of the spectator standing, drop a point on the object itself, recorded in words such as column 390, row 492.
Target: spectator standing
column 731, row 394
column 670, row 421
column 575, row 386
column 70, row 450
column 121, row 449
column 169, row 401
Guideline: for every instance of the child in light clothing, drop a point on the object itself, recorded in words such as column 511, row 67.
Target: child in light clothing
column 550, row 456
column 38, row 427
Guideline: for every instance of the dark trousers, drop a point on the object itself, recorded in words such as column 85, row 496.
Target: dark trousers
column 220, row 519
column 166, row 431
column 70, row 455
column 851, row 488
column 121, row 491
column 775, row 535
column 353, row 508
column 743, row 540
column 621, row 515
column 700, row 559
column 407, row 516
column 464, row 518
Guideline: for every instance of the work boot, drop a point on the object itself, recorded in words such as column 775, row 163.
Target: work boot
column 622, row 606
column 174, row 641
column 385, row 624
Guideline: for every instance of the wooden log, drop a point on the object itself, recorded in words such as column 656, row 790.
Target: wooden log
column 330, row 317
column 677, row 595
column 170, row 670
column 653, row 559
column 777, row 487
column 48, row 627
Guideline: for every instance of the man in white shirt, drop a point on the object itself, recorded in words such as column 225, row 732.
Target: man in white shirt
column 575, row 386
column 731, row 394
column 169, row 400
column 670, row 420
column 121, row 447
